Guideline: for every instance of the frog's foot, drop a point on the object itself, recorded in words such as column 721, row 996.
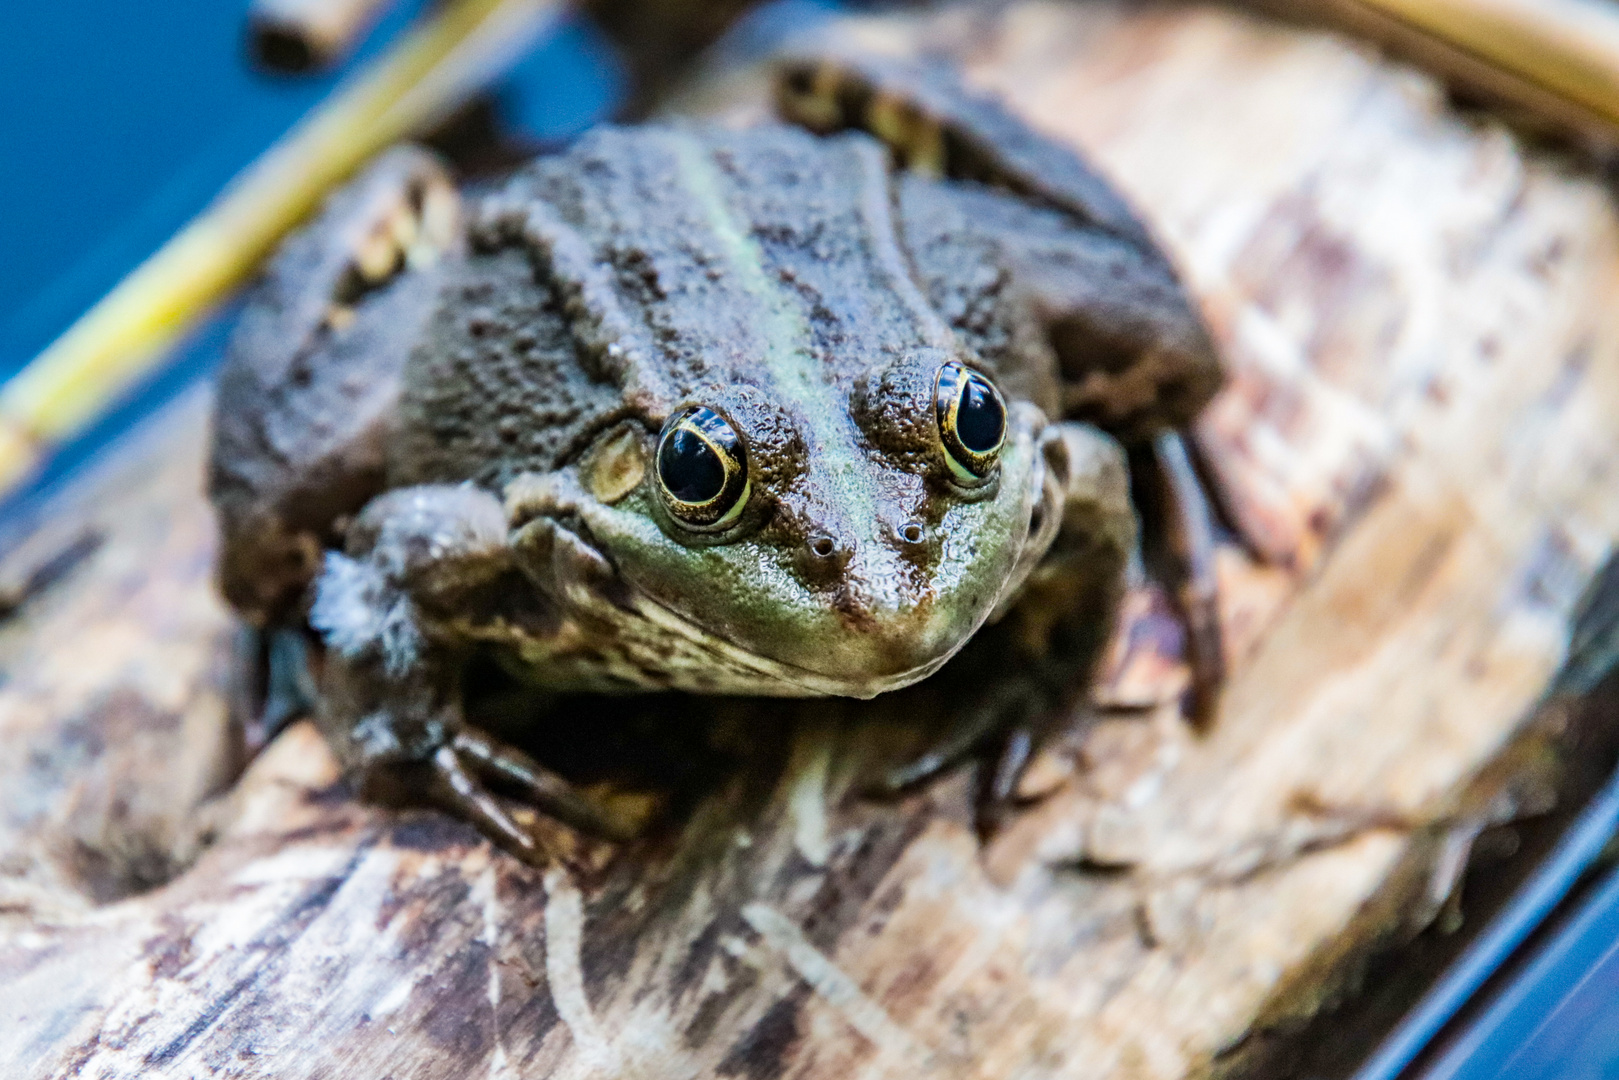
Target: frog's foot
column 539, row 786
column 456, row 790
column 462, row 778
column 1180, row 547
column 960, row 745
column 999, row 737
column 1002, row 757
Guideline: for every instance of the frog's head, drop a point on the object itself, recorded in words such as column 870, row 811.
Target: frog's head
column 848, row 552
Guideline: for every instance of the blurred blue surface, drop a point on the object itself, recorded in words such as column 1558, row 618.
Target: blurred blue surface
column 1560, row 1019
column 123, row 121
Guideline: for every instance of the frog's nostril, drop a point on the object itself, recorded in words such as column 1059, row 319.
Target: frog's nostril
column 823, row 547
column 912, row 532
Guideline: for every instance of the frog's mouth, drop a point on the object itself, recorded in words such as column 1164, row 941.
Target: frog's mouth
column 780, row 675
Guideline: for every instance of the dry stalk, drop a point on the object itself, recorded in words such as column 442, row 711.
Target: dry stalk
column 1555, row 62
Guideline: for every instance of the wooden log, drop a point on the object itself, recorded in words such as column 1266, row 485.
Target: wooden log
column 1420, row 432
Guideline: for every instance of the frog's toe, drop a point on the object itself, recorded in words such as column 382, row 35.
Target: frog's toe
column 1205, row 653
column 981, row 733
column 956, row 748
column 457, row 775
column 1002, row 755
column 547, row 791
column 998, row 780
column 454, row 789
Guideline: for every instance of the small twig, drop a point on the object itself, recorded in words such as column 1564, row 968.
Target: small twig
column 420, row 81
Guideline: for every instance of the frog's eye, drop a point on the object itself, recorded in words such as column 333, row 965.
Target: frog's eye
column 972, row 422
column 702, row 468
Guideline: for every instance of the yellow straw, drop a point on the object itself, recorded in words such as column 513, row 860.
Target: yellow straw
column 1557, row 59
column 1568, row 47
column 419, row 81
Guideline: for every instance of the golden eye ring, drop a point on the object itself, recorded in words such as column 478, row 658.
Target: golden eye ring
column 972, row 422
column 702, row 469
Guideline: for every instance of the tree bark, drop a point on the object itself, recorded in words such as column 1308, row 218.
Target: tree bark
column 1419, row 434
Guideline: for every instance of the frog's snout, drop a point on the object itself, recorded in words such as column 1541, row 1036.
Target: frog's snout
column 888, row 624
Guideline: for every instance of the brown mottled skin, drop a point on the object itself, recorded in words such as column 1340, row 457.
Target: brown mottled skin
column 458, row 450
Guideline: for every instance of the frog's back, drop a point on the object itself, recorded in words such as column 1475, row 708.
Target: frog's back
column 648, row 264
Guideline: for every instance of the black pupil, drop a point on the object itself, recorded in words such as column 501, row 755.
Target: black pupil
column 980, row 418
column 690, row 469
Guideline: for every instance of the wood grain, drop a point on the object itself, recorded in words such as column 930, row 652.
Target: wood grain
column 1419, row 434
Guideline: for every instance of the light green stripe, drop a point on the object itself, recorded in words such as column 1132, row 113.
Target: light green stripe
column 796, row 378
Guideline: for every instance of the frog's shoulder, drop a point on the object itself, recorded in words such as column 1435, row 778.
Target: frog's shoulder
column 307, row 392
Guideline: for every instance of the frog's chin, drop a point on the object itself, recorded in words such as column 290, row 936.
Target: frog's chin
column 760, row 674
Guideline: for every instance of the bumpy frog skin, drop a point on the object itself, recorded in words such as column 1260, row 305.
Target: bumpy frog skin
column 773, row 411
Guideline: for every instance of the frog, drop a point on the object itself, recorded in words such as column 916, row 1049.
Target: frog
column 798, row 408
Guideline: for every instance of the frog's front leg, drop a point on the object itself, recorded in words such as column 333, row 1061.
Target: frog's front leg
column 391, row 611
column 1180, row 522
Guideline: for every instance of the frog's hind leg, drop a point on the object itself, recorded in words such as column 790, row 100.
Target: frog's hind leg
column 311, row 378
column 937, row 129
column 1133, row 359
column 981, row 190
